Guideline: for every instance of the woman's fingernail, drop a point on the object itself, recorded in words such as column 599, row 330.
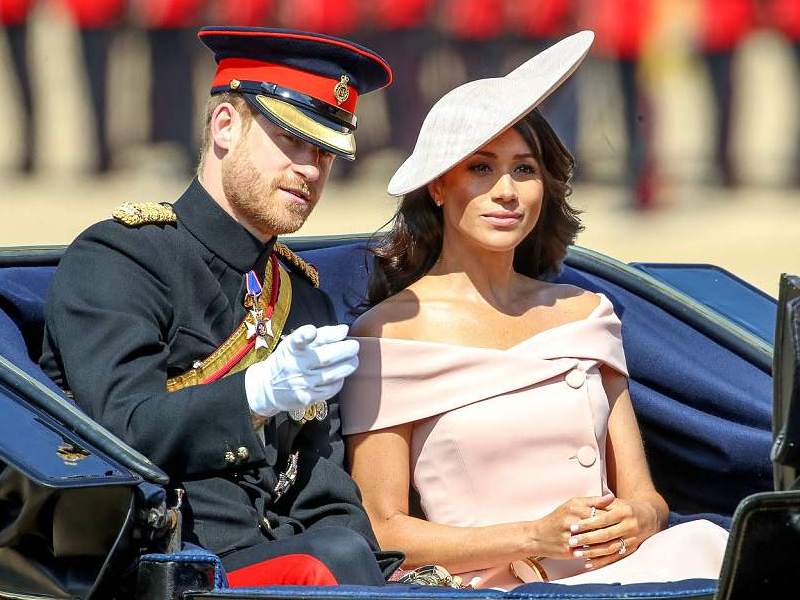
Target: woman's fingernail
column 578, row 554
column 574, row 528
column 573, row 541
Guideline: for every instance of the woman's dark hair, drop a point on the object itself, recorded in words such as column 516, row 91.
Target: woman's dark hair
column 412, row 245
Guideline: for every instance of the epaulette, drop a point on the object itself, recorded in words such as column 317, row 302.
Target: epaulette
column 134, row 214
column 310, row 271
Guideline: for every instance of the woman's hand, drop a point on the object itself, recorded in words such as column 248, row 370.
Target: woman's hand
column 599, row 539
column 550, row 535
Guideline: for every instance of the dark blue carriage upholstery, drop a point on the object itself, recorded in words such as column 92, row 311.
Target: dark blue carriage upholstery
column 704, row 412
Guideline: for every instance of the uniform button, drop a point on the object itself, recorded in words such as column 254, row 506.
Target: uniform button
column 587, row 456
column 243, row 453
column 230, row 457
column 575, row 378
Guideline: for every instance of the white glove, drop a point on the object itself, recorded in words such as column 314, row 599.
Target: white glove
column 307, row 367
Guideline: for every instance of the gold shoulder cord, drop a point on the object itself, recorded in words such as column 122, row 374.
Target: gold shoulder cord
column 237, row 341
column 310, row 271
column 135, row 214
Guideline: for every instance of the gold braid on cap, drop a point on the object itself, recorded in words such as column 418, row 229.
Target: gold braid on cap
column 310, row 271
column 134, row 214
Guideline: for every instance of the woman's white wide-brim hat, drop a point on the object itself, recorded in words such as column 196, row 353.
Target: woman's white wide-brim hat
column 470, row 116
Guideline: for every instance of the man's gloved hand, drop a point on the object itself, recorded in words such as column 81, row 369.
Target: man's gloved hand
column 308, row 366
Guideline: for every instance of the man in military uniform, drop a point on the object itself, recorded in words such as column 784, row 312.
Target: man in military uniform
column 189, row 332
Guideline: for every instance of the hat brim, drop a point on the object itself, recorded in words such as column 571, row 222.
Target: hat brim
column 302, row 125
column 470, row 116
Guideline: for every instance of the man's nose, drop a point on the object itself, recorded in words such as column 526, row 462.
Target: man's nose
column 307, row 163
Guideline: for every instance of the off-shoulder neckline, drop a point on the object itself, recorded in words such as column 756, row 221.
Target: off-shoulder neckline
column 604, row 303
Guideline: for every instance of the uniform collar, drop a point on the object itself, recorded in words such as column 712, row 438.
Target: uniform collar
column 218, row 231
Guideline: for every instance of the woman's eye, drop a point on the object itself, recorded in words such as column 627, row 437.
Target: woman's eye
column 480, row 168
column 527, row 169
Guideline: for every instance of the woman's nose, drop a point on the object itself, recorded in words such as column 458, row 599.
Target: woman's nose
column 505, row 189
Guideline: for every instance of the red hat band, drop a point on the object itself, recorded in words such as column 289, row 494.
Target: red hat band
column 336, row 92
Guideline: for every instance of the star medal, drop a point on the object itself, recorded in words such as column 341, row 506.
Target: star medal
column 257, row 326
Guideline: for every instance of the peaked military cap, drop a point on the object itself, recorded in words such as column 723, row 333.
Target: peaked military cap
column 305, row 83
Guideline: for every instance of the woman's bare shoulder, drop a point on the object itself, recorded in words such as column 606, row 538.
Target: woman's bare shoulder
column 577, row 302
column 389, row 318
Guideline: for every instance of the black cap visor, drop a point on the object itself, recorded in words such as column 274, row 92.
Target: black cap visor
column 306, row 125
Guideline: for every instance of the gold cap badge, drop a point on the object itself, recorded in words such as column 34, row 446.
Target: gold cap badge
column 340, row 91
column 235, row 84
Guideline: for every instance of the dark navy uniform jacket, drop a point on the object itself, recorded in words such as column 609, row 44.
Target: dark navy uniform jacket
column 133, row 306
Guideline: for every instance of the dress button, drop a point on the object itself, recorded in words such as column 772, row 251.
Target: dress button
column 242, row 453
column 575, row 378
column 230, row 457
column 586, row 456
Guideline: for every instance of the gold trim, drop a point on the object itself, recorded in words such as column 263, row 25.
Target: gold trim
column 532, row 562
column 238, row 339
column 295, row 119
column 134, row 214
column 307, row 269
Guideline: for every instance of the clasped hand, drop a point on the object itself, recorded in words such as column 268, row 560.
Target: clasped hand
column 572, row 531
column 307, row 367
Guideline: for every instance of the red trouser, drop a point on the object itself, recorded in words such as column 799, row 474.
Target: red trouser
column 291, row 569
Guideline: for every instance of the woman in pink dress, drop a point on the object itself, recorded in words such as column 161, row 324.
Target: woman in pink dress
column 499, row 398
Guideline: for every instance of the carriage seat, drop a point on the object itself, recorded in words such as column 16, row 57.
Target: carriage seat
column 704, row 415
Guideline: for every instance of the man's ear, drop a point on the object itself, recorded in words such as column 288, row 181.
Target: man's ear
column 226, row 126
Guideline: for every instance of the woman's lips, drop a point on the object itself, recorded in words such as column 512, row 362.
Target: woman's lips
column 502, row 219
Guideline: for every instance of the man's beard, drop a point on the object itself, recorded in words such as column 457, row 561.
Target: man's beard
column 254, row 197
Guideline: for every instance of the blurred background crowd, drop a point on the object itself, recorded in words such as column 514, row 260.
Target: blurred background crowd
column 680, row 98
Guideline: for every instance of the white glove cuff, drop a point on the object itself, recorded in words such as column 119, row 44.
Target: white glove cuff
column 258, row 397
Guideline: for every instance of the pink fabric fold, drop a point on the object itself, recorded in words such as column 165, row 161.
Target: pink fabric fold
column 401, row 381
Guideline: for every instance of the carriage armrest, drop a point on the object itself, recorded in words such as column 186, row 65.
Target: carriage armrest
column 690, row 589
column 170, row 576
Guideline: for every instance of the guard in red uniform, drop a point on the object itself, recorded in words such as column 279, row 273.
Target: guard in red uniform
column 242, row 13
column 403, row 33
column 724, row 24
column 784, row 15
column 477, row 29
column 533, row 27
column 97, row 20
column 14, row 20
column 622, row 27
column 170, row 26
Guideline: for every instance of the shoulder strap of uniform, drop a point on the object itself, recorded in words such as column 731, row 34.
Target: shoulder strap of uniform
column 310, row 271
column 135, row 214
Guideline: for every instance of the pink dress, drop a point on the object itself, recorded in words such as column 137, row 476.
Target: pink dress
column 508, row 435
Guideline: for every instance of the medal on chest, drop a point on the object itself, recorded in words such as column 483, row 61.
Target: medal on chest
column 258, row 320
